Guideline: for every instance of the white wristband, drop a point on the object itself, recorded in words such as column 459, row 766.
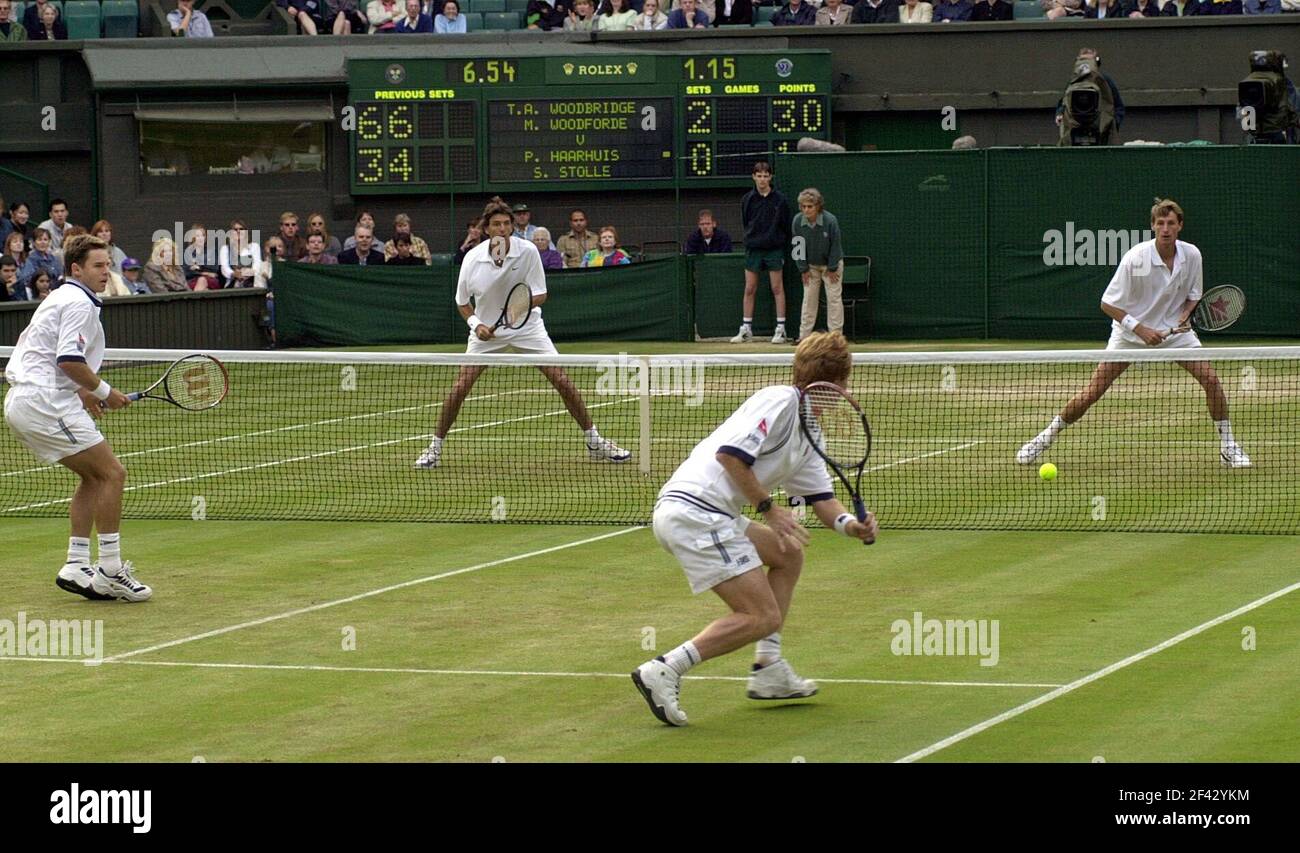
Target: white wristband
column 1129, row 322
column 102, row 392
column 842, row 523
column 474, row 322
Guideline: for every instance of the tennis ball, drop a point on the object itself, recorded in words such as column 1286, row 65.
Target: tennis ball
column 1047, row 471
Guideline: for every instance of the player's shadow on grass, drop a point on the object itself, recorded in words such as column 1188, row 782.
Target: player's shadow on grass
column 769, row 706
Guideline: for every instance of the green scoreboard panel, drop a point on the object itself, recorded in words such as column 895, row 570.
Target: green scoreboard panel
column 570, row 123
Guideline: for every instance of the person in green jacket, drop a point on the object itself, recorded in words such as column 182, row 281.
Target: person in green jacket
column 10, row 30
column 818, row 252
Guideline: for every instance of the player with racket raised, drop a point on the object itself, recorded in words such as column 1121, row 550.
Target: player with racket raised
column 765, row 444
column 55, row 395
column 502, row 283
column 1151, row 300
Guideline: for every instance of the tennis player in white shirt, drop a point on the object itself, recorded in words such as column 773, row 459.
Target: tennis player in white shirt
column 481, row 292
column 698, row 520
column 55, row 395
column 1149, row 300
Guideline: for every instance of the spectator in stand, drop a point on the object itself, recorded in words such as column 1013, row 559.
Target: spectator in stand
column 473, row 236
column 316, row 225
column 419, row 248
column 651, row 18
column 10, row 30
column 732, row 12
column 1103, row 10
column 104, row 231
column 1140, row 8
column 551, row 259
column 1208, row 7
column 163, row 274
column 131, row 272
column 547, row 15
column 450, row 20
column 316, row 253
column 607, row 254
column 947, row 11
column 272, row 253
column 68, row 233
column 992, row 10
column 202, row 272
column 915, row 12
column 404, row 256
column 687, row 17
column 345, row 18
column 188, row 22
column 766, row 216
column 1177, row 8
column 523, row 218
column 579, row 241
column 9, row 287
column 707, row 238
column 364, row 252
column 708, row 7
column 240, row 259
column 834, row 13
column 1062, row 8
column 879, row 12
column 383, row 16
column 41, row 258
column 16, row 221
column 363, row 218
column 40, row 286
column 15, row 247
column 295, row 246
column 308, row 13
column 795, row 13
column 414, row 21
column 52, row 27
column 821, row 261
column 57, row 225
column 615, row 16
column 33, row 14
column 1262, row 7
column 583, row 19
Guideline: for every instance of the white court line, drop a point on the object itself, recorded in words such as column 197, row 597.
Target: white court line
column 319, row 455
column 404, row 670
column 922, row 456
column 359, row 596
column 1088, row 679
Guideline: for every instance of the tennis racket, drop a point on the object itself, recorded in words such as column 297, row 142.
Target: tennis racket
column 835, row 426
column 1218, row 309
column 518, row 308
column 194, row 383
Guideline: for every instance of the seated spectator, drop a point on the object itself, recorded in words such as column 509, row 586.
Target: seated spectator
column 607, row 254
column 403, row 257
column 52, row 27
column 450, row 20
column 687, row 17
column 615, row 16
column 473, row 236
column 345, row 18
column 578, row 242
column 583, row 19
column 57, row 225
column 708, row 238
column 240, row 258
column 551, row 258
column 651, row 18
column 363, row 218
column 316, row 225
column 16, row 222
column 383, row 16
column 15, row 247
column 1101, row 10
column 104, row 231
column 10, row 30
column 915, row 12
column 834, row 13
column 1138, row 9
column 201, row 270
column 947, row 11
column 9, row 278
column 40, row 286
column 131, row 272
column 993, row 10
column 1262, row 7
column 188, row 22
column 310, row 14
column 68, row 233
column 419, row 248
column 795, row 13
column 878, row 12
column 316, row 253
column 290, row 232
column 524, row 227
column 163, row 274
column 1208, row 7
column 547, row 14
column 272, row 253
column 41, row 258
column 364, row 252
column 414, row 21
column 33, row 15
column 116, row 285
column 1062, row 8
column 731, row 12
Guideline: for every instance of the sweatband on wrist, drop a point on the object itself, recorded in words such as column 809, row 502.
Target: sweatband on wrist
column 1129, row 322
column 842, row 523
column 474, row 322
column 102, row 392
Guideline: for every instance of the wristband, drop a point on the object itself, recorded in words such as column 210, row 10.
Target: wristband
column 102, row 392
column 474, row 322
column 1129, row 322
column 842, row 523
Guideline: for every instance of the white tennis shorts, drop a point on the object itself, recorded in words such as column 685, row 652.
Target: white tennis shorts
column 532, row 339
column 49, row 424
column 1182, row 339
column 712, row 548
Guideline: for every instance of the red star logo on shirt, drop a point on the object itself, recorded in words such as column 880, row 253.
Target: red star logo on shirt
column 762, row 426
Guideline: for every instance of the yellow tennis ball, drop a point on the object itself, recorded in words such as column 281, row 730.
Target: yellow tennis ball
column 1047, row 471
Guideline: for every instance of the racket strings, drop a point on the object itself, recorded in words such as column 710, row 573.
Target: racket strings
column 197, row 384
column 1220, row 308
column 837, row 426
column 518, row 304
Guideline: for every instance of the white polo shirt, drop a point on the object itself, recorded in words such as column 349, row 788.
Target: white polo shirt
column 65, row 327
column 1144, row 287
column 764, row 432
column 487, row 285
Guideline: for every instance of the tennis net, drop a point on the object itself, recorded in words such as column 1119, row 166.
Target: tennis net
column 333, row 435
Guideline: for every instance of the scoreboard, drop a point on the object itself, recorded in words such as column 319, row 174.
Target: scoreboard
column 570, row 122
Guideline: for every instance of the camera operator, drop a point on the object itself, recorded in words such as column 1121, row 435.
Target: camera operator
column 1091, row 111
column 1272, row 96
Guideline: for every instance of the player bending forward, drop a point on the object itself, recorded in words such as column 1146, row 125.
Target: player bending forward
column 487, row 281
column 698, row 520
column 54, row 396
column 1152, row 295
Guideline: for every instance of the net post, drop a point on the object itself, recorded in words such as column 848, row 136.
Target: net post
column 643, row 404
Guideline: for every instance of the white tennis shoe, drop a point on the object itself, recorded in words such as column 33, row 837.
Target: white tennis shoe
column 123, row 586
column 78, row 578
column 779, row 336
column 1232, row 456
column 428, row 460
column 605, row 450
column 660, row 684
column 1034, row 448
column 778, row 681
column 744, row 336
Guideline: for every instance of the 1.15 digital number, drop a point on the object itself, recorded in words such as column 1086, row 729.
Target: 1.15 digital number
column 712, row 68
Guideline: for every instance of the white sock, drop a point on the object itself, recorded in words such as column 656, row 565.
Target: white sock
column 79, row 550
column 682, row 658
column 591, row 435
column 1225, row 432
column 110, row 553
column 769, row 649
column 436, row 442
column 1058, row 423
column 747, row 322
column 780, row 322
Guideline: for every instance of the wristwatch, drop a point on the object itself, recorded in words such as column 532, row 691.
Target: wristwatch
column 764, row 505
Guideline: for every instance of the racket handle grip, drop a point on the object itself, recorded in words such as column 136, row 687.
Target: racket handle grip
column 860, row 510
column 134, row 395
